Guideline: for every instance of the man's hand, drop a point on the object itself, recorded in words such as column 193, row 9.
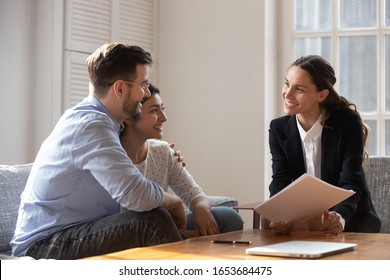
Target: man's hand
column 175, row 207
column 185, row 234
column 178, row 155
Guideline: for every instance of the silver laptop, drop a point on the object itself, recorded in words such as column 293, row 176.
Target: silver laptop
column 302, row 249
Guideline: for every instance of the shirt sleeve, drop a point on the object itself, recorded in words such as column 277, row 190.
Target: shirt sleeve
column 98, row 151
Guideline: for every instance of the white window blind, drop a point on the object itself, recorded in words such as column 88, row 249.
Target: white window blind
column 137, row 25
column 92, row 23
column 75, row 78
column 88, row 24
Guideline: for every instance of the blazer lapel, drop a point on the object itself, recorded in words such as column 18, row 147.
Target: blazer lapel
column 329, row 141
column 293, row 148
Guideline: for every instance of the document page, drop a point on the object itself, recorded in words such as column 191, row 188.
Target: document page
column 303, row 199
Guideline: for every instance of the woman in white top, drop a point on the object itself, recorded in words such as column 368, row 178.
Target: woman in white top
column 156, row 160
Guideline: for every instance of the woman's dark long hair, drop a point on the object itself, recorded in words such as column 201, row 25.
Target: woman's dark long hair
column 323, row 76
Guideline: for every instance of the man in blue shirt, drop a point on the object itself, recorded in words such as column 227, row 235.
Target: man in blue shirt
column 82, row 176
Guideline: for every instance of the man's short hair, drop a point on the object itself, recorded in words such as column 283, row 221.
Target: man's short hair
column 115, row 61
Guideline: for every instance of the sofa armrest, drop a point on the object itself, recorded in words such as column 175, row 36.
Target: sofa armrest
column 12, row 181
column 251, row 206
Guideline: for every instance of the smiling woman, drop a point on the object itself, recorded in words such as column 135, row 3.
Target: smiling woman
column 156, row 160
column 322, row 135
column 150, row 125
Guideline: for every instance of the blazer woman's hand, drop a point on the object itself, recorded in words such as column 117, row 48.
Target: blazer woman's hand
column 281, row 227
column 277, row 228
column 332, row 222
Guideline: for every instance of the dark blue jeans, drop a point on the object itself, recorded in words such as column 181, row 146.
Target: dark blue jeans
column 110, row 234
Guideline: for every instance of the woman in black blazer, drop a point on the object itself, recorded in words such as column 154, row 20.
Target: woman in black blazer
column 321, row 134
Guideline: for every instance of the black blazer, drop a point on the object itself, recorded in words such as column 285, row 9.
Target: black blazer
column 341, row 164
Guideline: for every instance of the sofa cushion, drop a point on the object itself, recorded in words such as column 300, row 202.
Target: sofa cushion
column 12, row 182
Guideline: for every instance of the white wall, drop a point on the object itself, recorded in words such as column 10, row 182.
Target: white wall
column 17, row 60
column 211, row 74
column 48, row 65
column 30, row 76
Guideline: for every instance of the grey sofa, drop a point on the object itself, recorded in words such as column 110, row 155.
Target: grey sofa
column 377, row 171
column 12, row 181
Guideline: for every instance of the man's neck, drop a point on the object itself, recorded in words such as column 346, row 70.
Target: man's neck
column 112, row 106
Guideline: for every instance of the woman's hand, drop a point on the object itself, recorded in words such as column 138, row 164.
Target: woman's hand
column 277, row 228
column 205, row 223
column 332, row 222
column 281, row 227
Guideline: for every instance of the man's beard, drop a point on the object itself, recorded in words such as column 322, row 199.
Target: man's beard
column 133, row 110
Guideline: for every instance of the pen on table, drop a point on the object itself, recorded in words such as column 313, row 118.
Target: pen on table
column 232, row 242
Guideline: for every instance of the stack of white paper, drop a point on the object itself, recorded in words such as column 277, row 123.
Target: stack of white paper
column 303, row 199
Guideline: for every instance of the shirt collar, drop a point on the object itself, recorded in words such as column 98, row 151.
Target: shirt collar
column 314, row 132
column 101, row 108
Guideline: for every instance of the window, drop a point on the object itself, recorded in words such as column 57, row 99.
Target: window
column 354, row 36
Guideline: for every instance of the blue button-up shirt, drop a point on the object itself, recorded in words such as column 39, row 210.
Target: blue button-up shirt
column 81, row 173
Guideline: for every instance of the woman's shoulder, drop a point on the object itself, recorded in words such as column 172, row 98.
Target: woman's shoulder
column 159, row 145
column 344, row 116
column 158, row 142
column 347, row 113
column 281, row 121
column 161, row 151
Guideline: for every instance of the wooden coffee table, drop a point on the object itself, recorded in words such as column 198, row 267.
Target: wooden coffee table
column 371, row 246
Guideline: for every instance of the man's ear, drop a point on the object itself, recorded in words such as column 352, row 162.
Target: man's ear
column 118, row 87
column 323, row 94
